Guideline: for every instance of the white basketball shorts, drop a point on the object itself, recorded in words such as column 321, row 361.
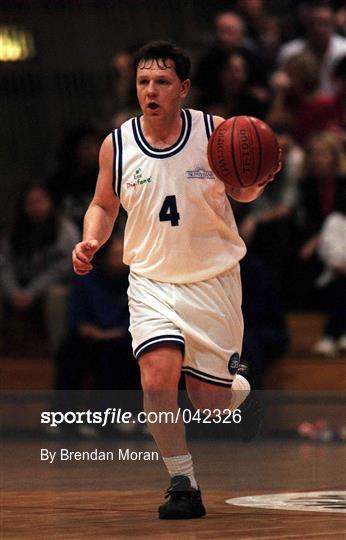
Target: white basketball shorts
column 203, row 318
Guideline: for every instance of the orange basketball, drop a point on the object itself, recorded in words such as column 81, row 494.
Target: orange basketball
column 243, row 151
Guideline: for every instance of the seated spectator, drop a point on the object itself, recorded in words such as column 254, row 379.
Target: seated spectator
column 237, row 95
column 324, row 174
column 337, row 119
column 265, row 334
column 36, row 255
column 341, row 18
column 73, row 183
column 229, row 37
column 321, row 40
column 254, row 14
column 331, row 250
column 97, row 340
column 296, row 101
column 266, row 28
column 268, row 225
column 121, row 99
column 95, row 356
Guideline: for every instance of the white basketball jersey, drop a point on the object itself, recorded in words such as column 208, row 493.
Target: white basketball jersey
column 180, row 226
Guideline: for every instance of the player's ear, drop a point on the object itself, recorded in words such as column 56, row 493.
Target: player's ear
column 185, row 87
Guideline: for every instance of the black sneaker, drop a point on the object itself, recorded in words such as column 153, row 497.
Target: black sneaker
column 184, row 502
column 251, row 409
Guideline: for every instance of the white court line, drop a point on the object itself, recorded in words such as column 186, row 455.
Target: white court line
column 310, row 501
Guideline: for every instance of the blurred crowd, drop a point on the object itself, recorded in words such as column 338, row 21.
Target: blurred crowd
column 285, row 67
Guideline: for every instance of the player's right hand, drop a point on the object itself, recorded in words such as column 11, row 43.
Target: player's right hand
column 82, row 255
column 272, row 176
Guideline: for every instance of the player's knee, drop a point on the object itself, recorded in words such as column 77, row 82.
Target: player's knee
column 155, row 379
column 153, row 382
column 160, row 370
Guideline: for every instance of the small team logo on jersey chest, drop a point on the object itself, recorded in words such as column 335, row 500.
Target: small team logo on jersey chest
column 138, row 179
column 201, row 173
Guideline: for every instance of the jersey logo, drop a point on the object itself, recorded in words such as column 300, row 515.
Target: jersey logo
column 138, row 179
column 200, row 173
column 233, row 363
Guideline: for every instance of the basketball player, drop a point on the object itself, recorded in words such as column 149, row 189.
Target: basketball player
column 183, row 249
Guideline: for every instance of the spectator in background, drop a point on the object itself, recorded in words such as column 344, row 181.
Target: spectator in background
column 332, row 252
column 323, row 176
column 36, row 258
column 237, row 96
column 95, row 353
column 268, row 227
column 321, row 40
column 265, row 335
column 121, row 101
column 72, row 185
column 341, row 18
column 254, row 13
column 97, row 340
column 123, row 94
column 337, row 119
column 229, row 37
column 267, row 30
column 296, row 101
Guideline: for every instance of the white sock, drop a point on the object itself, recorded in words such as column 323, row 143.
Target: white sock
column 240, row 390
column 177, row 465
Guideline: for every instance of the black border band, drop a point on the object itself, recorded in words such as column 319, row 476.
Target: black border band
column 157, row 341
column 206, row 377
column 162, row 153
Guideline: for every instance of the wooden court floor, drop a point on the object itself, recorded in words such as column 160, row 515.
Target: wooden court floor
column 118, row 500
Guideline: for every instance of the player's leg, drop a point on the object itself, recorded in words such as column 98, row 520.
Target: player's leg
column 158, row 345
column 210, row 396
column 212, row 325
column 160, row 374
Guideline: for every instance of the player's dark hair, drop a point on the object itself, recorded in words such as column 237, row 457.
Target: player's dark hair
column 160, row 52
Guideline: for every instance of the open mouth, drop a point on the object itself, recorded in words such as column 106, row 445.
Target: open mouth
column 153, row 106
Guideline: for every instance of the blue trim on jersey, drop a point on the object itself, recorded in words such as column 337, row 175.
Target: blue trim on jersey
column 114, row 161
column 207, row 128
column 134, row 129
column 120, row 160
column 161, row 153
column 158, row 340
column 117, row 161
column 211, row 118
column 209, row 124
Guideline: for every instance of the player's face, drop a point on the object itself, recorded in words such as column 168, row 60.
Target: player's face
column 159, row 89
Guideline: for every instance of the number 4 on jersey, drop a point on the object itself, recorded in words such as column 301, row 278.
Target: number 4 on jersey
column 169, row 211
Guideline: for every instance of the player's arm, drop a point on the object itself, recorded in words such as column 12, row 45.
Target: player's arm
column 250, row 193
column 101, row 214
